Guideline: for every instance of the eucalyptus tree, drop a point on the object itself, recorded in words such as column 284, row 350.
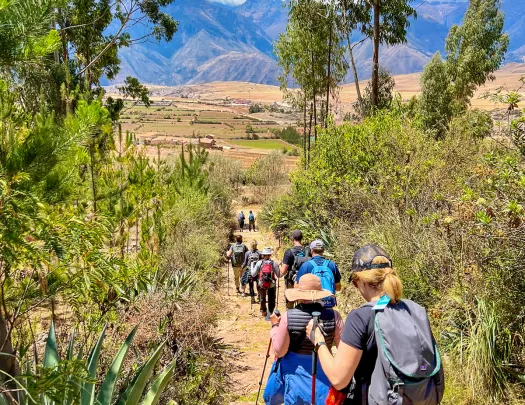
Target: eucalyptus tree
column 311, row 55
column 475, row 50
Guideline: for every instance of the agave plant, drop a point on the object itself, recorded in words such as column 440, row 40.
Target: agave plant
column 81, row 389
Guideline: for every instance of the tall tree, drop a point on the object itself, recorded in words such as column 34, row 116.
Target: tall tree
column 311, row 55
column 388, row 25
column 476, row 48
column 352, row 16
column 86, row 27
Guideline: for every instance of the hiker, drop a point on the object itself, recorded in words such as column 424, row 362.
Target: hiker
column 251, row 221
column 325, row 269
column 266, row 270
column 292, row 371
column 252, row 257
column 237, row 255
column 240, row 219
column 292, row 260
column 377, row 368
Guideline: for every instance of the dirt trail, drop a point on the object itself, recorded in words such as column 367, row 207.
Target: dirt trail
column 246, row 331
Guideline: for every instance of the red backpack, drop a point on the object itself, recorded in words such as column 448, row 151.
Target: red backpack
column 266, row 275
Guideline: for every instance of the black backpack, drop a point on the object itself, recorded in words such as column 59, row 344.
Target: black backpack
column 301, row 255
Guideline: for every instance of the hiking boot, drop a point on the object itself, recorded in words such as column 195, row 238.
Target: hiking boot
column 265, row 314
column 253, row 300
column 267, row 318
column 239, row 291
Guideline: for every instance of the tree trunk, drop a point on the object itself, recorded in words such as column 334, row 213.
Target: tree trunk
column 354, row 70
column 328, row 78
column 8, row 363
column 310, row 132
column 315, row 101
column 375, row 66
column 304, row 126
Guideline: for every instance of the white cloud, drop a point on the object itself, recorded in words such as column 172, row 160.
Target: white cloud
column 228, row 2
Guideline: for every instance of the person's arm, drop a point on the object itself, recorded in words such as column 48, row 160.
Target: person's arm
column 246, row 259
column 285, row 266
column 230, row 252
column 339, row 326
column 276, row 269
column 279, row 334
column 337, row 277
column 339, row 368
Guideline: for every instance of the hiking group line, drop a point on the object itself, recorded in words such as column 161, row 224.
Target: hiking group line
column 386, row 352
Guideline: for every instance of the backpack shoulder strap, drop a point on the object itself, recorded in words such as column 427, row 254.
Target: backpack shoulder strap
column 326, row 263
column 313, row 263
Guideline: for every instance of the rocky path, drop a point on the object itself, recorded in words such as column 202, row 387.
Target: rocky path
column 246, row 332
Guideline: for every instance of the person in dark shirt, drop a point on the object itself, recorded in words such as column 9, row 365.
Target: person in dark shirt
column 292, row 261
column 373, row 276
column 317, row 252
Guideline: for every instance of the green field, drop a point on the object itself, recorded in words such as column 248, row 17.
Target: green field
column 268, row 144
column 183, row 121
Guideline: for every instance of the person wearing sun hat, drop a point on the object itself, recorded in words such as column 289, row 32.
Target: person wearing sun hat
column 265, row 271
column 291, row 373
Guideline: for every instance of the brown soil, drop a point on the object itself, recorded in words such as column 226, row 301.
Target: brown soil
column 245, row 331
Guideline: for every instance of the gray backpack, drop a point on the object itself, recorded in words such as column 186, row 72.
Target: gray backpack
column 408, row 366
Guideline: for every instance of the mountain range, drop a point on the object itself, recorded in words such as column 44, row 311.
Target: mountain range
column 216, row 42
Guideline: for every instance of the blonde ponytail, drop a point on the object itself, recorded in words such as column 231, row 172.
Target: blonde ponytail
column 385, row 279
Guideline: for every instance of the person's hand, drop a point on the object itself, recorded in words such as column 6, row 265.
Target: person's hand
column 318, row 334
column 274, row 319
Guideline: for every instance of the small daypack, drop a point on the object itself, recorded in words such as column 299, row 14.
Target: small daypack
column 301, row 255
column 241, row 217
column 253, row 258
column 251, row 217
column 327, row 277
column 408, row 366
column 238, row 252
column 266, row 275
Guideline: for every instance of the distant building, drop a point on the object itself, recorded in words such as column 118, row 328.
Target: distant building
column 241, row 101
column 207, row 143
column 210, row 136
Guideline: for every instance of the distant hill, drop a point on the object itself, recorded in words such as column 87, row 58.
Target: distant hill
column 222, row 43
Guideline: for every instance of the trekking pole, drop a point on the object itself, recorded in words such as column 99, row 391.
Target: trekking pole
column 276, row 312
column 316, row 316
column 278, row 284
column 228, row 278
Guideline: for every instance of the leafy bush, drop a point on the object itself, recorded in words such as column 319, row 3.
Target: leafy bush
column 290, row 135
column 256, row 108
column 385, row 95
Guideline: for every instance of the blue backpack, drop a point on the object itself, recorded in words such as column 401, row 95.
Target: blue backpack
column 327, row 279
